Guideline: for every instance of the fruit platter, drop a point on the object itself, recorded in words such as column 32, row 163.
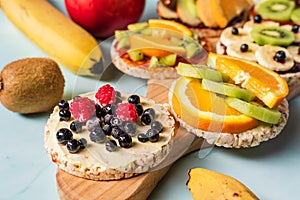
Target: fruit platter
column 173, row 102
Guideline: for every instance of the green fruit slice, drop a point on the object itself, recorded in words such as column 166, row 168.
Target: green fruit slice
column 295, row 16
column 254, row 110
column 279, row 10
column 198, row 72
column 135, row 55
column 272, row 35
column 137, row 26
column 228, row 89
column 168, row 60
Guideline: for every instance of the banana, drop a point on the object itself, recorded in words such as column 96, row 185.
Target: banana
column 57, row 35
column 248, row 26
column 234, row 49
column 228, row 37
column 265, row 57
column 294, row 51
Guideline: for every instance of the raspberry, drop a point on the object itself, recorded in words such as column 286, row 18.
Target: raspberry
column 126, row 112
column 83, row 108
column 106, row 95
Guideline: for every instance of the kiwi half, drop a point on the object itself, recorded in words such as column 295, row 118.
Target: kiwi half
column 295, row 16
column 272, row 35
column 279, row 10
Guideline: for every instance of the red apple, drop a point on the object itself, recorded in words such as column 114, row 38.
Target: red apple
column 102, row 17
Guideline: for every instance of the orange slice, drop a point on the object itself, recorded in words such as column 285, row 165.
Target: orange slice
column 167, row 24
column 267, row 85
column 206, row 110
column 218, row 13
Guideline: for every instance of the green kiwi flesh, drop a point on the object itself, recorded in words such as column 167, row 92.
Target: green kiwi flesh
column 295, row 16
column 279, row 10
column 272, row 35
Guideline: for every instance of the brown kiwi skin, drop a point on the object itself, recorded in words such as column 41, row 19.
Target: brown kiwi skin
column 31, row 85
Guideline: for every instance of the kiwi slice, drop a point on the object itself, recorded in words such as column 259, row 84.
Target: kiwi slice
column 279, row 10
column 254, row 110
column 200, row 72
column 228, row 89
column 136, row 27
column 272, row 35
column 168, row 60
column 295, row 16
column 135, row 55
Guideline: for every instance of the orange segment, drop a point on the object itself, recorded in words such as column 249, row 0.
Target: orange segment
column 167, row 24
column 206, row 14
column 206, row 110
column 218, row 13
column 267, row 85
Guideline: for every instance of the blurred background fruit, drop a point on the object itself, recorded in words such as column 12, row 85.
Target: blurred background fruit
column 102, row 17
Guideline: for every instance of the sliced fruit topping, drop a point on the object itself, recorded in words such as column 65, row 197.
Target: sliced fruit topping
column 249, row 25
column 165, row 12
column 228, row 89
column 105, row 95
column 82, row 108
column 186, row 10
column 168, row 24
column 295, row 16
column 230, row 35
column 294, row 51
column 207, row 110
column 272, row 35
column 274, row 58
column 244, row 50
column 279, row 10
column 267, row 85
column 205, row 13
column 199, row 72
column 255, row 110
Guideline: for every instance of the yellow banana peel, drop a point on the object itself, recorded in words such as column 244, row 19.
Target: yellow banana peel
column 56, row 34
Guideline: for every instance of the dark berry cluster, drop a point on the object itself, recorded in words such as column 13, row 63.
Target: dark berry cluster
column 64, row 112
column 65, row 137
column 110, row 120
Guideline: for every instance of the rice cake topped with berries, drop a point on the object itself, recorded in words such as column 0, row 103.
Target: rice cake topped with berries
column 108, row 135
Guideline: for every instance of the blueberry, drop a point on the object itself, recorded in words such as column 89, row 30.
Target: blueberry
column 76, row 126
column 129, row 128
column 153, row 135
column 64, row 115
column 142, row 137
column 134, row 99
column 98, row 111
column 257, row 19
column 107, row 129
column 118, row 100
column 150, row 111
column 235, row 31
column 118, row 94
column 98, row 136
column 157, row 126
column 73, row 146
column 139, row 109
column 92, row 124
column 115, row 121
column 125, row 140
column 63, row 135
column 146, row 119
column 107, row 118
column 116, row 132
column 83, row 143
column 280, row 56
column 295, row 28
column 244, row 47
column 111, row 145
column 63, row 104
column 106, row 110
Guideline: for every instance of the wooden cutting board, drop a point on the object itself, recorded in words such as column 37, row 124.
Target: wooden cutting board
column 137, row 188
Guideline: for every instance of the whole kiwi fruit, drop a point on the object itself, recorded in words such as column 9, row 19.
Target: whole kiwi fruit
column 31, row 85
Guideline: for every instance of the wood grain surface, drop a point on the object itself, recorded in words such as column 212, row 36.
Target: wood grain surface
column 137, row 188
